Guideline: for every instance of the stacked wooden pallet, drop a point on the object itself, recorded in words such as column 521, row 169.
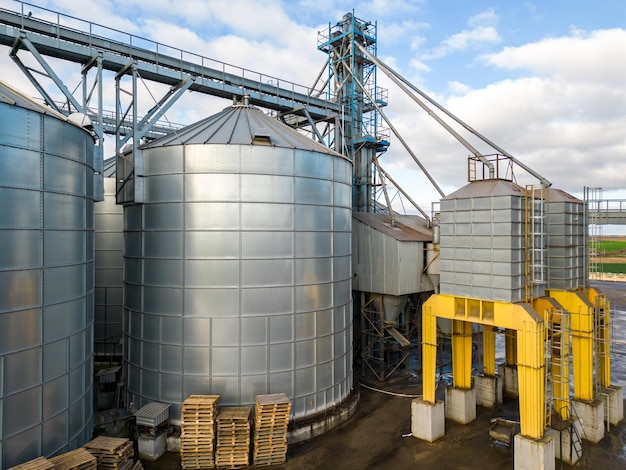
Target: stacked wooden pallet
column 78, row 459
column 197, row 428
column 271, row 418
column 233, row 437
column 113, row 453
column 40, row 463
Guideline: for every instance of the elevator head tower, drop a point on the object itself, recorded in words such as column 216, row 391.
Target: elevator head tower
column 358, row 131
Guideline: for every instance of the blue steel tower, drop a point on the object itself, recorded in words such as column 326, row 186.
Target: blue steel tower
column 358, row 133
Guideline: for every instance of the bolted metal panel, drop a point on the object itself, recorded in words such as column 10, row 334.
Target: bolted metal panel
column 46, row 281
column 482, row 242
column 390, row 259
column 108, row 274
column 567, row 250
column 237, row 267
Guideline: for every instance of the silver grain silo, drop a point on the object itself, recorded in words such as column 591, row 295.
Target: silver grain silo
column 238, row 267
column 567, row 249
column 46, row 280
column 483, row 243
column 109, row 243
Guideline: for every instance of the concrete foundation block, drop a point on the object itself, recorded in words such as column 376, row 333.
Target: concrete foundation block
column 614, row 398
column 568, row 445
column 533, row 454
column 151, row 447
column 509, row 380
column 591, row 415
column 427, row 420
column 461, row 404
column 488, row 391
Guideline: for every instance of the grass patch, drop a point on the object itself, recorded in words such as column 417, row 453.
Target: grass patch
column 616, row 268
column 608, row 246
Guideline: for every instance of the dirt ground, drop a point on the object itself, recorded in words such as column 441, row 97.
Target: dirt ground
column 378, row 435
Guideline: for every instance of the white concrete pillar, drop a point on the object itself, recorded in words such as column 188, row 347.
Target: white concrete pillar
column 613, row 397
column 510, row 386
column 568, row 445
column 591, row 415
column 427, row 420
column 488, row 391
column 533, row 454
column 461, row 404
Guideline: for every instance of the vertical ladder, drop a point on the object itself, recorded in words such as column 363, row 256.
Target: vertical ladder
column 602, row 344
column 535, row 240
column 593, row 203
column 576, row 443
column 559, row 325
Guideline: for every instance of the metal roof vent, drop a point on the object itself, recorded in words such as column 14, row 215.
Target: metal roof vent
column 261, row 136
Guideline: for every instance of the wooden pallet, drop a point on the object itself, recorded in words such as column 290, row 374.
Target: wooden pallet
column 271, row 420
column 79, row 459
column 40, row 463
column 197, row 438
column 233, row 437
column 113, row 453
column 137, row 466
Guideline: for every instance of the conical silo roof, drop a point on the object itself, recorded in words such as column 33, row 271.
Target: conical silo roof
column 15, row 97
column 486, row 188
column 241, row 124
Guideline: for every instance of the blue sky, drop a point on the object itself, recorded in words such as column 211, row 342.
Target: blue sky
column 542, row 79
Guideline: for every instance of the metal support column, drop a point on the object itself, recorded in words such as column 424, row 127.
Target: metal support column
column 581, row 311
column 462, row 353
column 489, row 351
column 531, row 337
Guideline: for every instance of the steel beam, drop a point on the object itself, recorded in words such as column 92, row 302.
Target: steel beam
column 54, row 40
column 531, row 337
column 581, row 311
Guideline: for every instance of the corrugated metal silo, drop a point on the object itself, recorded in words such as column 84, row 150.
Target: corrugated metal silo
column 109, row 285
column 46, row 280
column 483, row 242
column 567, row 250
column 238, row 267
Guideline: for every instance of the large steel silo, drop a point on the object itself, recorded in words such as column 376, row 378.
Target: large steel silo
column 484, row 243
column 567, row 249
column 109, row 244
column 238, row 267
column 46, row 280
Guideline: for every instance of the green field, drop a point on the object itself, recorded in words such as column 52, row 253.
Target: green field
column 609, row 246
column 615, row 268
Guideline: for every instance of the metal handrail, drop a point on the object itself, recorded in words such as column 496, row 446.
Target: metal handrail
column 56, row 21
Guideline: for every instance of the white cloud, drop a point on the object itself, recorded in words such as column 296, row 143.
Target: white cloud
column 485, row 18
column 596, row 56
column 466, row 39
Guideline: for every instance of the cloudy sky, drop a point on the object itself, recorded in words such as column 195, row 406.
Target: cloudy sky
column 542, row 79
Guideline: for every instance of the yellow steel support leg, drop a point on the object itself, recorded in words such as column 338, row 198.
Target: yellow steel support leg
column 510, row 347
column 581, row 312
column 530, row 346
column 489, row 351
column 429, row 353
column 462, row 354
column 602, row 311
column 531, row 376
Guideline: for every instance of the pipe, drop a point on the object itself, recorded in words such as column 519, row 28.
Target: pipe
column 403, row 192
column 397, row 134
column 430, row 112
column 543, row 181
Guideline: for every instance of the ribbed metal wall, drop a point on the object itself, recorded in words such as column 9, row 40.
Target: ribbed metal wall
column 46, row 281
column 483, row 242
column 566, row 242
column 238, row 271
column 109, row 284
